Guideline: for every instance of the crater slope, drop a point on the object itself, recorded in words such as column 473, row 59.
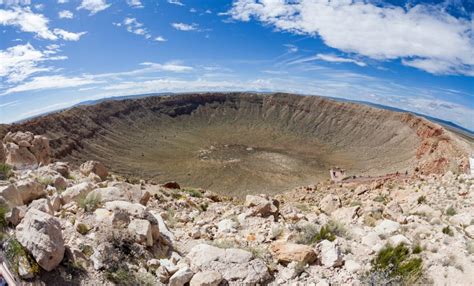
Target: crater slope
column 239, row 143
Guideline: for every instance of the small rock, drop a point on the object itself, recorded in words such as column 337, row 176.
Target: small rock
column 287, row 252
column 399, row 239
column 206, row 278
column 387, row 227
column 181, row 277
column 171, row 185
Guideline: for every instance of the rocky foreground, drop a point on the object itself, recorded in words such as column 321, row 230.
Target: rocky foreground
column 66, row 226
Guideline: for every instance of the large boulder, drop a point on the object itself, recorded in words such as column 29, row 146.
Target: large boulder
column 262, row 205
column 141, row 228
column 133, row 209
column 94, row 167
column 30, row 190
column 77, row 191
column 287, row 252
column 236, row 266
column 40, row 233
column 19, row 136
column 330, row 203
column 331, row 255
column 20, row 157
column 10, row 195
column 122, row 192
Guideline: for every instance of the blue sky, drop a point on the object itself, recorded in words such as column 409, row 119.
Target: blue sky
column 415, row 55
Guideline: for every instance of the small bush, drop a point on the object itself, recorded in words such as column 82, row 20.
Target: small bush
column 447, row 230
column 45, row 181
column 4, row 209
column 470, row 247
column 417, row 249
column 277, row 231
column 5, row 171
column 381, row 199
column 193, row 193
column 15, row 251
column 203, row 207
column 421, row 200
column 310, row 235
column 121, row 275
column 89, row 203
column 450, row 211
column 394, row 266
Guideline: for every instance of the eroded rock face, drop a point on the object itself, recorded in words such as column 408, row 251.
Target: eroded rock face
column 235, row 265
column 40, row 233
column 24, row 150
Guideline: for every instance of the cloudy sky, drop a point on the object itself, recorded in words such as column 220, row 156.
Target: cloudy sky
column 415, row 55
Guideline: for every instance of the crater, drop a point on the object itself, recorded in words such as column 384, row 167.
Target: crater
column 241, row 143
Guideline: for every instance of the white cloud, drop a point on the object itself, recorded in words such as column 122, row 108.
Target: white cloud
column 135, row 3
column 65, row 14
column 329, row 58
column 176, row 2
column 20, row 62
column 424, row 36
column 69, row 36
column 27, row 21
column 170, row 67
column 50, row 82
column 185, row 27
column 160, row 39
column 15, row 2
column 62, row 1
column 135, row 27
column 93, row 6
column 291, row 48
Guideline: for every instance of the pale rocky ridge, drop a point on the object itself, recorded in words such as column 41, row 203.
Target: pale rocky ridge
column 79, row 227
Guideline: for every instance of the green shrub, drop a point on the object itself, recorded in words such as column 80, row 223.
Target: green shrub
column 450, row 211
column 193, row 193
column 4, row 209
column 5, row 171
column 395, row 266
column 417, row 249
column 310, row 234
column 121, row 275
column 421, row 200
column 203, row 206
column 447, row 230
column 14, row 251
column 89, row 203
column 45, row 181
